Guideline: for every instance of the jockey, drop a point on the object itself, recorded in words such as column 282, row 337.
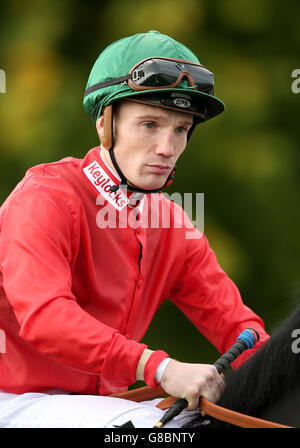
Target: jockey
column 83, row 268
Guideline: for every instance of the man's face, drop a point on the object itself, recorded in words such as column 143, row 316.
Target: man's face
column 147, row 142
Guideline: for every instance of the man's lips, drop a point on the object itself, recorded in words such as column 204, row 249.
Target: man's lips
column 159, row 169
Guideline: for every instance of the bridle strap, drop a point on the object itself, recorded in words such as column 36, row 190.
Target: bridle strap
column 211, row 409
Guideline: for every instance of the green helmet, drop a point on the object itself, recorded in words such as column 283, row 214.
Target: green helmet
column 117, row 60
column 154, row 69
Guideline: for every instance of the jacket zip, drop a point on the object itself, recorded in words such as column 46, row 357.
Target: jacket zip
column 140, row 256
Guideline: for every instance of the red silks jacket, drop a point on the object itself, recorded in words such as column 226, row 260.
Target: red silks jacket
column 79, row 286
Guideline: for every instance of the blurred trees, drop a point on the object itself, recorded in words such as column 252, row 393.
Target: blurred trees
column 246, row 161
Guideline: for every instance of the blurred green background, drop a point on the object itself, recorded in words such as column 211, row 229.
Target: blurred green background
column 246, row 161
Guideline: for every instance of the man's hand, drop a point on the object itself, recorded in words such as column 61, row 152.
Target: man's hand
column 190, row 381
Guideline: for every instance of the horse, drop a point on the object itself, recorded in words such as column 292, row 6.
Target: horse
column 267, row 385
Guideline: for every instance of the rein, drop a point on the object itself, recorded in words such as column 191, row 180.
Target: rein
column 211, row 409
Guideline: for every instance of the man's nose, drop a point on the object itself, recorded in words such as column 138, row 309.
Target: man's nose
column 165, row 146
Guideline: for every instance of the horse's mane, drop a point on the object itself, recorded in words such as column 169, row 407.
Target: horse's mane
column 270, row 372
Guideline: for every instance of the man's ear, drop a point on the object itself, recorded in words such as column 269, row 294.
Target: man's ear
column 100, row 128
column 104, row 127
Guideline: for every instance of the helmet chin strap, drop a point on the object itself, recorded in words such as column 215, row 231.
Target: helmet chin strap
column 124, row 181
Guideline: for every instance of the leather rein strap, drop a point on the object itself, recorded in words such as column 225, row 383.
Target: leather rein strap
column 211, row 409
column 226, row 415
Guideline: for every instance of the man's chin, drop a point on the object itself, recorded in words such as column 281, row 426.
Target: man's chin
column 149, row 184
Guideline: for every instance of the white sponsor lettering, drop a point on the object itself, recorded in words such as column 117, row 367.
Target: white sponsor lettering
column 102, row 182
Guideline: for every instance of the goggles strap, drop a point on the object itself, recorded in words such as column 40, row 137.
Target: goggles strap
column 110, row 82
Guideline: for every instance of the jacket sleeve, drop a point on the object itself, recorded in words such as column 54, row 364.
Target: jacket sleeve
column 36, row 250
column 210, row 299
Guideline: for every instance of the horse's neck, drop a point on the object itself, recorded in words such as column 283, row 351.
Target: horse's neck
column 285, row 409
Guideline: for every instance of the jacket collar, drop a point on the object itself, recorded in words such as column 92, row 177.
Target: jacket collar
column 102, row 177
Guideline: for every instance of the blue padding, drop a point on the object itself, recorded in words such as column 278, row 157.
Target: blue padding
column 248, row 337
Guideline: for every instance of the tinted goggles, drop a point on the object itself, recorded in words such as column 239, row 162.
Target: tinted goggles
column 160, row 73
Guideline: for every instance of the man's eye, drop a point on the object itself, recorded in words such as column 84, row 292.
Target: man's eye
column 149, row 125
column 182, row 129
